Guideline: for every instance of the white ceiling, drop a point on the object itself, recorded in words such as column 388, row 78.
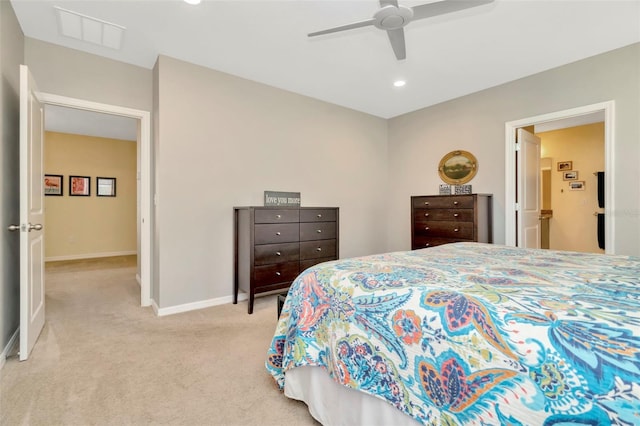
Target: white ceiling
column 266, row 41
column 89, row 123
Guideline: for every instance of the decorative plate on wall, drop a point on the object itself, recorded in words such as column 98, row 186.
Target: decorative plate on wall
column 458, row 167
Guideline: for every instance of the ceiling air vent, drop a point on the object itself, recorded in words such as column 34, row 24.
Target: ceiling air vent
column 93, row 30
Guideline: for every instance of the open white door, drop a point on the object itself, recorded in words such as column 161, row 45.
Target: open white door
column 528, row 169
column 31, row 214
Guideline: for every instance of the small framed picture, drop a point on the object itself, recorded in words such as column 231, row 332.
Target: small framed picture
column 572, row 175
column 53, row 185
column 462, row 189
column 565, row 166
column 106, row 187
column 80, row 186
column 445, row 189
column 577, row 185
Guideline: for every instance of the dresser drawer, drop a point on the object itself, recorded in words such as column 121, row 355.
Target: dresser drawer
column 276, row 253
column 304, row 264
column 271, row 274
column 317, row 249
column 446, row 202
column 446, row 229
column 276, row 233
column 426, row 242
column 276, row 216
column 318, row 215
column 317, row 231
column 464, row 215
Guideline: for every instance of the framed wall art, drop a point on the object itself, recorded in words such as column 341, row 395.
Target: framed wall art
column 565, row 166
column 458, row 167
column 80, row 186
column 53, row 185
column 577, row 185
column 106, row 187
column 571, row 175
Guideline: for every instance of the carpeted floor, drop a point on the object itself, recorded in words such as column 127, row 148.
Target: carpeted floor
column 103, row 360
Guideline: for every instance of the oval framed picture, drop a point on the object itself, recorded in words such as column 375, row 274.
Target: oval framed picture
column 458, row 167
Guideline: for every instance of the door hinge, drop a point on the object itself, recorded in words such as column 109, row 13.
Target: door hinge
column 517, row 146
column 517, row 207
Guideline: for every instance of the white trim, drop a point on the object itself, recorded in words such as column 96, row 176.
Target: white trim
column 196, row 305
column 7, row 349
column 144, row 118
column 609, row 143
column 89, row 256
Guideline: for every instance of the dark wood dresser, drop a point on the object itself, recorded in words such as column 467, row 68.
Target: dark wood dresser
column 274, row 244
column 442, row 219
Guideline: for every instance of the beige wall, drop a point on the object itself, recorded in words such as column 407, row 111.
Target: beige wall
column 11, row 56
column 75, row 74
column 82, row 227
column 476, row 123
column 573, row 225
column 222, row 141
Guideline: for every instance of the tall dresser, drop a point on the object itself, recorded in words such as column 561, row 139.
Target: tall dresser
column 442, row 219
column 274, row 244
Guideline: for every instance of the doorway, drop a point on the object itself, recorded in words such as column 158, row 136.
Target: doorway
column 143, row 176
column 512, row 181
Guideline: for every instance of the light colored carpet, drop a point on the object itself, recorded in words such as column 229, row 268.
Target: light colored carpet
column 103, row 360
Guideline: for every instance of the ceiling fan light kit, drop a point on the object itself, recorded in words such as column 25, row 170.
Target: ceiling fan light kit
column 392, row 18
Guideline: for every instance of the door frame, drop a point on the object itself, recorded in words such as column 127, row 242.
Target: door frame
column 608, row 108
column 143, row 173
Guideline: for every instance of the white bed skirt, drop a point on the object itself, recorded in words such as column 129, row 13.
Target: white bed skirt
column 333, row 404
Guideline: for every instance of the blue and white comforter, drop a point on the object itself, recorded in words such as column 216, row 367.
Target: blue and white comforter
column 472, row 333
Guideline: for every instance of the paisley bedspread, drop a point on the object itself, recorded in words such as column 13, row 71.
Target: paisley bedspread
column 471, row 333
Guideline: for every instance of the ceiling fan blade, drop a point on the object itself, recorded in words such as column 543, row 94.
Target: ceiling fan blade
column 396, row 37
column 446, row 6
column 384, row 3
column 344, row 27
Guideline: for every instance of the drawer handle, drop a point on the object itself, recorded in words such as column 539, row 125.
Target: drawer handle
column 278, row 233
column 456, row 215
column 278, row 273
column 319, row 249
column 319, row 231
column 426, row 215
column 455, row 230
column 278, row 216
column 426, row 203
column 426, row 228
column 455, row 203
column 319, row 215
column 278, row 253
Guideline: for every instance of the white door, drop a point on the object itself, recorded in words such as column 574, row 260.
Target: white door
column 31, row 214
column 528, row 169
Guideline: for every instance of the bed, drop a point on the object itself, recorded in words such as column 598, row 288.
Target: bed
column 464, row 333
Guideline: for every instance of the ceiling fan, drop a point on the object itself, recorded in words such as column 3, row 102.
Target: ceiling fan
column 392, row 18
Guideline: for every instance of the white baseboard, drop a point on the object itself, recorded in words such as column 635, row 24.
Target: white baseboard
column 89, row 256
column 7, row 349
column 195, row 305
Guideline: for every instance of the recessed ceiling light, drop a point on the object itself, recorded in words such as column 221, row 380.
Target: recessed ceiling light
column 399, row 83
column 192, row 1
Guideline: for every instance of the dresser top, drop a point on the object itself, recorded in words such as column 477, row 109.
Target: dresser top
column 283, row 207
column 452, row 195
